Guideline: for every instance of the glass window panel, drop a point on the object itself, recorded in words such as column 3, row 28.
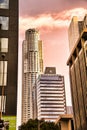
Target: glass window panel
column 4, row 23
column 3, row 81
column 4, row 103
column 4, row 45
column 1, row 77
column 1, row 67
column 5, row 70
column 4, row 4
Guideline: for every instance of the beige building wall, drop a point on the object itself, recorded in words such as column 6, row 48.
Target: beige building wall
column 78, row 78
column 65, row 122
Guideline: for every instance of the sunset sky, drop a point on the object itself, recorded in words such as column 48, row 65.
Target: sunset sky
column 52, row 18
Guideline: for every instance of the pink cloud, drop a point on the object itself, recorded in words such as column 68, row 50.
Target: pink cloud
column 36, row 7
column 53, row 20
column 49, row 22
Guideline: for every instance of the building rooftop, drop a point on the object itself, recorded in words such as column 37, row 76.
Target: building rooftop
column 50, row 70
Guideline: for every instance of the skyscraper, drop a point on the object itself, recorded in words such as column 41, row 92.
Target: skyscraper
column 78, row 78
column 32, row 66
column 74, row 31
column 8, row 55
column 51, row 101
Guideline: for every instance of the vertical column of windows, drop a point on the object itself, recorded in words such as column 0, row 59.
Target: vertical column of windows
column 4, row 25
column 3, row 81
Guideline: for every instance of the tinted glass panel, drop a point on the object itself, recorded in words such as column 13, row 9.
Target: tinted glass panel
column 4, row 4
column 3, row 44
column 4, row 23
column 3, row 101
column 3, row 75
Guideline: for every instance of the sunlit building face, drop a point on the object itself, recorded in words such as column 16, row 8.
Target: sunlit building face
column 32, row 66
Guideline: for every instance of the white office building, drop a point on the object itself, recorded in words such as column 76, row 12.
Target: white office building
column 51, row 101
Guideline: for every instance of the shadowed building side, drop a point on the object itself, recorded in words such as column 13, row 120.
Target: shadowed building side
column 9, row 48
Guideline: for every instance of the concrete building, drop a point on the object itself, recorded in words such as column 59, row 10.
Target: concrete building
column 74, row 31
column 65, row 122
column 51, row 101
column 32, row 67
column 78, row 78
column 8, row 56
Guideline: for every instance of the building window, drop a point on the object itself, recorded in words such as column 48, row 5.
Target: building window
column 4, row 103
column 4, row 4
column 3, row 73
column 4, row 23
column 3, row 44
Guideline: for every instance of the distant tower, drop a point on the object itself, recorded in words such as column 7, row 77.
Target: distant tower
column 51, row 101
column 32, row 66
column 78, row 78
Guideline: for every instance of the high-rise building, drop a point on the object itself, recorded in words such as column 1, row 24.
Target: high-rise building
column 74, row 31
column 8, row 56
column 78, row 78
column 32, row 66
column 51, row 101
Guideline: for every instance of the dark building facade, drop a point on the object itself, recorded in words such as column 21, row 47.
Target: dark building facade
column 8, row 55
column 78, row 76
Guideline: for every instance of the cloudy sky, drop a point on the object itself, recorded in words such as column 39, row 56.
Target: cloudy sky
column 52, row 18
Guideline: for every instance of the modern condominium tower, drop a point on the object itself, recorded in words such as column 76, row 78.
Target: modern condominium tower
column 32, row 66
column 8, row 56
column 51, row 101
column 78, row 78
